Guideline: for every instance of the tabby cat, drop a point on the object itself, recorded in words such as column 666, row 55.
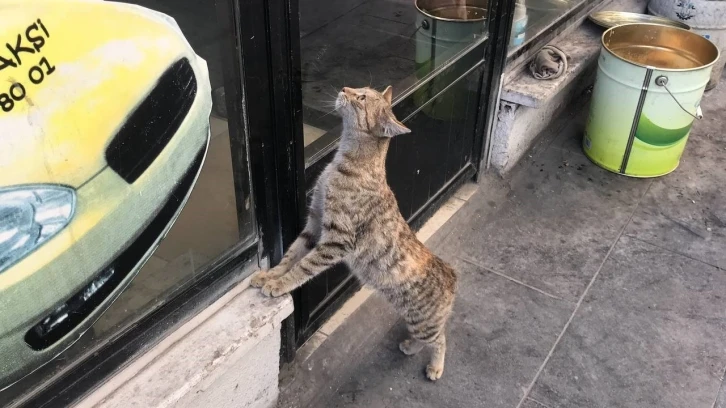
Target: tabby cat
column 354, row 218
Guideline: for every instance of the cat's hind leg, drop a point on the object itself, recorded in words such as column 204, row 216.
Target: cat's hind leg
column 427, row 326
column 411, row 346
column 435, row 368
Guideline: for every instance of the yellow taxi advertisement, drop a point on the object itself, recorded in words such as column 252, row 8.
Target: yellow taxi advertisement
column 104, row 127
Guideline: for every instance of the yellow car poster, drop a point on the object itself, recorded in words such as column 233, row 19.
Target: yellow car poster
column 104, row 127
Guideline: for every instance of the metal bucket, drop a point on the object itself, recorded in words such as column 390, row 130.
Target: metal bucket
column 706, row 18
column 648, row 90
column 445, row 28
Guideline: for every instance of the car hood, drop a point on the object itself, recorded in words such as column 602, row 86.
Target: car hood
column 69, row 76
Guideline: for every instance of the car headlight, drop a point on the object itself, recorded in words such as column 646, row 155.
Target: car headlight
column 30, row 216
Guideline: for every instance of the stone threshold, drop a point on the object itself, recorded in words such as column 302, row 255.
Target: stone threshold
column 226, row 356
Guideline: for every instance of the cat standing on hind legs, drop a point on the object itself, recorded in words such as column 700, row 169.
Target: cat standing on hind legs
column 354, row 218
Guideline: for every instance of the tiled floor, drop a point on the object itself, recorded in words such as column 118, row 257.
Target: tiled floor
column 579, row 289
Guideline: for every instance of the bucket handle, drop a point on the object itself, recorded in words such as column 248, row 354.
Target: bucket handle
column 663, row 81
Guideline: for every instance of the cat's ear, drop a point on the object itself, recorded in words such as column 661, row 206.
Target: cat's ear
column 388, row 94
column 392, row 127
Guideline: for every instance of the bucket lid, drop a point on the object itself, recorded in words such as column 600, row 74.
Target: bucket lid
column 660, row 47
column 447, row 10
column 609, row 19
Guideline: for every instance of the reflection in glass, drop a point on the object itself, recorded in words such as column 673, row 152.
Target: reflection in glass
column 439, row 147
column 531, row 17
column 378, row 43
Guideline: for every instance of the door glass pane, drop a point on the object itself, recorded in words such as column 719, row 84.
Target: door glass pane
column 532, row 17
column 420, row 164
column 378, row 43
column 133, row 205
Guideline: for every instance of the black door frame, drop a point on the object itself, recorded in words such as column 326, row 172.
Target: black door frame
column 272, row 102
column 500, row 29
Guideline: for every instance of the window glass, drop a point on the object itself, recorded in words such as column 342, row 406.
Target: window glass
column 129, row 155
column 378, row 43
column 532, row 17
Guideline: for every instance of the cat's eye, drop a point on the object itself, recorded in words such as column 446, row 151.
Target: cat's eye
column 361, row 97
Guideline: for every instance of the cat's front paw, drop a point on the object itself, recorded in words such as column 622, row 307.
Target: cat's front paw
column 260, row 278
column 273, row 288
column 434, row 373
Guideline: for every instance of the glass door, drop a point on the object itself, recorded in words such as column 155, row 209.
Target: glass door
column 434, row 55
column 432, row 52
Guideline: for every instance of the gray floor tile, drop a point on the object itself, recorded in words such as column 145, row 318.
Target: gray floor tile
column 649, row 334
column 686, row 210
column 530, row 403
column 358, row 340
column 491, row 189
column 721, row 398
column 561, row 216
column 499, row 336
column 570, row 138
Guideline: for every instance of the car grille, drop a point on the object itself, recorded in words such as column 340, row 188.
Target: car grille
column 153, row 123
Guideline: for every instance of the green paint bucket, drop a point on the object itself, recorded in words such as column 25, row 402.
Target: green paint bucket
column 444, row 28
column 649, row 85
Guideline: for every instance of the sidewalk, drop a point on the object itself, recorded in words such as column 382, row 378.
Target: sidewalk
column 578, row 288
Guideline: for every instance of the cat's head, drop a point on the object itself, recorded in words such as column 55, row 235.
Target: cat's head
column 370, row 111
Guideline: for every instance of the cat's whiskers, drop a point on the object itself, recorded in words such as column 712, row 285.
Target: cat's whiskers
column 326, row 114
column 333, row 98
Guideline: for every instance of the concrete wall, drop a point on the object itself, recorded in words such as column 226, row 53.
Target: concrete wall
column 518, row 126
column 250, row 381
